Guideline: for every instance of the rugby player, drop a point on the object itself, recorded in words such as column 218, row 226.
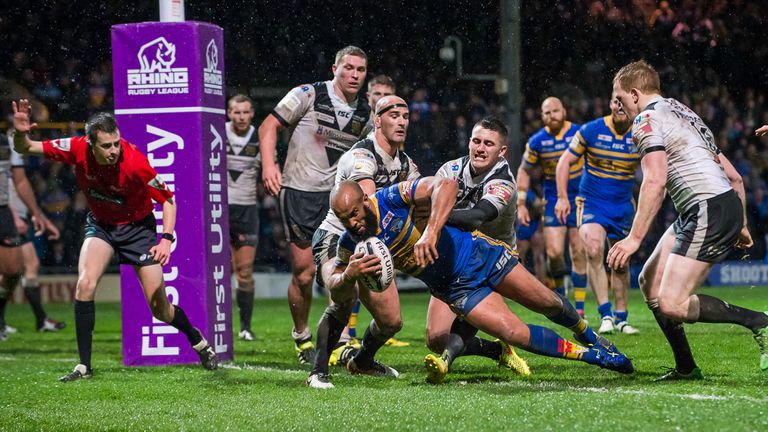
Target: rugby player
column 324, row 119
column 374, row 163
column 604, row 206
column 11, row 256
column 243, row 164
column 545, row 147
column 31, row 261
column 679, row 156
column 531, row 238
column 469, row 271
column 119, row 185
column 378, row 87
column 486, row 202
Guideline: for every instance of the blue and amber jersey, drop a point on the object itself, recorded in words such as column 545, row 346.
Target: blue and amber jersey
column 545, row 148
column 397, row 228
column 611, row 159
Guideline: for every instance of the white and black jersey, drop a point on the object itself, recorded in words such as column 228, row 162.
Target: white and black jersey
column 367, row 160
column 243, row 166
column 8, row 159
column 323, row 127
column 497, row 186
column 694, row 173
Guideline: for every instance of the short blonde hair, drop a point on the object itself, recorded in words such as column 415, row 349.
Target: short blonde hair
column 350, row 50
column 639, row 75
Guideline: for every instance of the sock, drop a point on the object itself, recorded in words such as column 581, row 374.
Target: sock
column 546, row 342
column 605, row 310
column 620, row 316
column 32, row 291
column 181, row 322
column 560, row 285
column 302, row 337
column 483, row 347
column 714, row 310
column 461, row 333
column 328, row 332
column 579, row 291
column 675, row 334
column 85, row 320
column 568, row 317
column 3, row 302
column 352, row 324
column 245, row 305
column 372, row 341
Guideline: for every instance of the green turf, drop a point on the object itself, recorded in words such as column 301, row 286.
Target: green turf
column 264, row 390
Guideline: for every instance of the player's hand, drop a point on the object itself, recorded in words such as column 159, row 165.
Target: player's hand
column 425, row 250
column 618, row 256
column 44, row 225
column 22, row 112
column 361, row 264
column 562, row 209
column 21, row 224
column 745, row 239
column 161, row 252
column 273, row 180
column 523, row 216
column 762, row 130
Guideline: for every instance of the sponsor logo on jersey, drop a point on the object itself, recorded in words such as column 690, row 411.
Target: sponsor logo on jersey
column 455, row 167
column 500, row 190
column 62, row 144
column 213, row 79
column 387, row 219
column 603, row 137
column 156, row 74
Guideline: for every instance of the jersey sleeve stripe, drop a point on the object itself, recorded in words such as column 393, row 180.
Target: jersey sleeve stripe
column 280, row 119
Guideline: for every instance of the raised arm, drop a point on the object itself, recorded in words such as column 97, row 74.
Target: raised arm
column 22, row 125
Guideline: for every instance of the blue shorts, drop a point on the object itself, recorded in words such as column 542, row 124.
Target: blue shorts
column 615, row 218
column 488, row 264
column 550, row 218
column 525, row 233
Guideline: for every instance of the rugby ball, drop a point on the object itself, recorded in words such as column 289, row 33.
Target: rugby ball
column 374, row 246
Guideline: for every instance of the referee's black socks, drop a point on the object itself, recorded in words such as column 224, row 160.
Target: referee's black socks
column 85, row 319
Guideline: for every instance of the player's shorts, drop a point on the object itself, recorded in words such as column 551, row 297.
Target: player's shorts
column 708, row 231
column 488, row 264
column 615, row 218
column 9, row 235
column 243, row 225
column 323, row 249
column 302, row 213
column 550, row 218
column 131, row 241
column 525, row 233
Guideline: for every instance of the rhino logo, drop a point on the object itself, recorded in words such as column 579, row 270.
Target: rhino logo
column 157, row 55
column 212, row 57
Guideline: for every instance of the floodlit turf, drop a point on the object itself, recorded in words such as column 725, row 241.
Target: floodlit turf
column 263, row 389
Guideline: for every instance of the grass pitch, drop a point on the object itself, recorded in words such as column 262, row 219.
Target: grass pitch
column 263, row 389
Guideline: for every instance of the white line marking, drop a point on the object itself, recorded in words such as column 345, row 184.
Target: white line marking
column 170, row 110
column 261, row 368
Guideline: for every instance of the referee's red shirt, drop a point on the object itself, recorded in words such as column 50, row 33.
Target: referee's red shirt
column 117, row 194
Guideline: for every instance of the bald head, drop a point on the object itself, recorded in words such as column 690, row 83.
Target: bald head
column 553, row 114
column 387, row 103
column 345, row 196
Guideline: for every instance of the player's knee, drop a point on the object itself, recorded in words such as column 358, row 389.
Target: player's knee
column 671, row 308
column 514, row 335
column 593, row 251
column 304, row 277
column 390, row 327
column 86, row 288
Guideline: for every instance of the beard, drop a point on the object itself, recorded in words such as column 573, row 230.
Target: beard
column 370, row 226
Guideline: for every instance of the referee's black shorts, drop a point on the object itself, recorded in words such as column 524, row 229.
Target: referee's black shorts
column 131, row 242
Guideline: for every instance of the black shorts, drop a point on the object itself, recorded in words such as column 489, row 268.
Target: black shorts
column 323, row 249
column 9, row 235
column 302, row 213
column 243, row 225
column 708, row 231
column 131, row 242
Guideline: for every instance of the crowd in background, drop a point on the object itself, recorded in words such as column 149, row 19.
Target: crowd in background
column 711, row 56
